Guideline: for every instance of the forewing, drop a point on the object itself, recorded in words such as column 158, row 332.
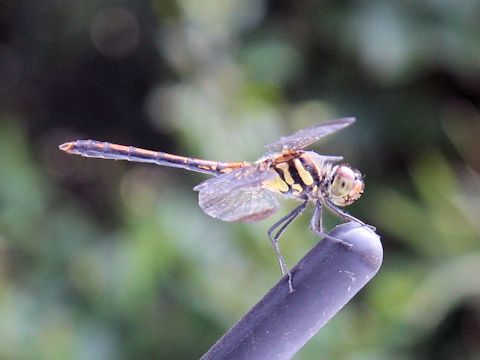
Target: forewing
column 244, row 177
column 323, row 159
column 305, row 137
column 238, row 196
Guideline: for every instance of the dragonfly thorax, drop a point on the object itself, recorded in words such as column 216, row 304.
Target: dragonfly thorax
column 301, row 175
column 308, row 175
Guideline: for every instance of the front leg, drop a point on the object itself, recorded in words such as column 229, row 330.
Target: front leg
column 346, row 216
column 342, row 214
column 316, row 225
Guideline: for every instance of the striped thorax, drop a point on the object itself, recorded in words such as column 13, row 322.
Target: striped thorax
column 307, row 175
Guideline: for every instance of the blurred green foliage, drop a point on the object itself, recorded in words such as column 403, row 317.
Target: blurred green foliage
column 110, row 260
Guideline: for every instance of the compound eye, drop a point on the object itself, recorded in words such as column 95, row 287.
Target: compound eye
column 343, row 181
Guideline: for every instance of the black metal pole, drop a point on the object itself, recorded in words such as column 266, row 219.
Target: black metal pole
column 323, row 281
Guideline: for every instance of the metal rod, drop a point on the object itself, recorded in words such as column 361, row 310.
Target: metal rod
column 323, row 281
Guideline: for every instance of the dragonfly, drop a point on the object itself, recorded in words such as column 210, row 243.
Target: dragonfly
column 247, row 192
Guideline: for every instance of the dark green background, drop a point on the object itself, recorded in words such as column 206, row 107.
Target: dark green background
column 114, row 260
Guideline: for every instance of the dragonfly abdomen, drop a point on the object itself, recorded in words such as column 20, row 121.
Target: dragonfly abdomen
column 106, row 150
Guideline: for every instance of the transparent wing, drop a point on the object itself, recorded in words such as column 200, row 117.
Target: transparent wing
column 323, row 159
column 244, row 205
column 238, row 196
column 305, row 137
column 248, row 176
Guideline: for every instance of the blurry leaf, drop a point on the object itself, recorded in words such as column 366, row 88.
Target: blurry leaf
column 443, row 289
column 271, row 61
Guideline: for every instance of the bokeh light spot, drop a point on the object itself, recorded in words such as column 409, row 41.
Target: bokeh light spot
column 115, row 32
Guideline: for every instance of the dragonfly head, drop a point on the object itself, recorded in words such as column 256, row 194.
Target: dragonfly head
column 347, row 185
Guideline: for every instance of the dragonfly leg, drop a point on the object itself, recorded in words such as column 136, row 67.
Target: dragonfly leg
column 316, row 225
column 342, row 214
column 282, row 225
column 347, row 217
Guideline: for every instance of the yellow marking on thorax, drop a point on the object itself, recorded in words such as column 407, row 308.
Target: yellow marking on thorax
column 286, row 173
column 278, row 184
column 304, row 174
column 297, row 187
